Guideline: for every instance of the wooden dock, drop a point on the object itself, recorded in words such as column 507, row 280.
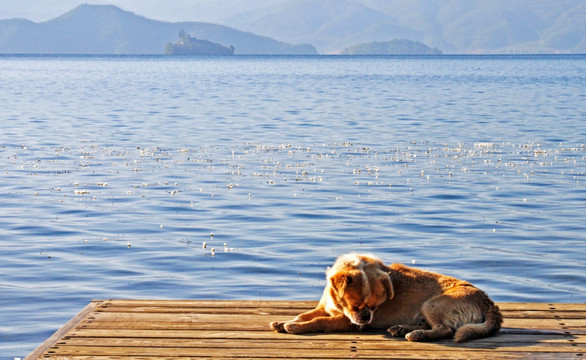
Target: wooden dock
column 185, row 329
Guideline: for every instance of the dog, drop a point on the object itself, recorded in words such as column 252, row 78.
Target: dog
column 362, row 292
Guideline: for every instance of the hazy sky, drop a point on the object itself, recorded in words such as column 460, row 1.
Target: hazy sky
column 169, row 10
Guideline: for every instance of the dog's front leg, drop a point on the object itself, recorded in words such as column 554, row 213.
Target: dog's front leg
column 319, row 324
column 279, row 326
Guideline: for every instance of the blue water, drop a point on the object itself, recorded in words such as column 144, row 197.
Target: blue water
column 116, row 170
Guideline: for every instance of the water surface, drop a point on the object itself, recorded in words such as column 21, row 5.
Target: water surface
column 116, row 170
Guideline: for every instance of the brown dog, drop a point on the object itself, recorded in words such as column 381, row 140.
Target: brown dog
column 420, row 305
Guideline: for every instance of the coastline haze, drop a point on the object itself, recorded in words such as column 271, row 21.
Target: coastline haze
column 451, row 26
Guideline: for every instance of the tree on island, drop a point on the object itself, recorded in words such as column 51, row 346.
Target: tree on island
column 187, row 45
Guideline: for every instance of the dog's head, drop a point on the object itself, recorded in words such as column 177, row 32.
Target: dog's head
column 359, row 284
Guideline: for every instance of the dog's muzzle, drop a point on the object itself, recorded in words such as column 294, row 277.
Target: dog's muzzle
column 364, row 317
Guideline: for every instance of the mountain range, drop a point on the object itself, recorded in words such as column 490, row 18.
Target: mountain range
column 106, row 29
column 453, row 26
column 290, row 26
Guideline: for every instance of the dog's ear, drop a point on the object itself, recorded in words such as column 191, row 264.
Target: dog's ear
column 385, row 279
column 340, row 281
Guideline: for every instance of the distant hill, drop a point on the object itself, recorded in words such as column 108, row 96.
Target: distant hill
column 331, row 24
column 454, row 26
column 393, row 47
column 104, row 29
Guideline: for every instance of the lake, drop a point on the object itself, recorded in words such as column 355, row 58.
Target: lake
column 245, row 177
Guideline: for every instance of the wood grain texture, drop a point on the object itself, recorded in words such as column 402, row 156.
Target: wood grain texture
column 193, row 329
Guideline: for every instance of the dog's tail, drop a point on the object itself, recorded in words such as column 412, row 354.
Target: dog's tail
column 491, row 325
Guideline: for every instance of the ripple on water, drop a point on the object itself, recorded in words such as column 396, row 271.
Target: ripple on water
column 112, row 192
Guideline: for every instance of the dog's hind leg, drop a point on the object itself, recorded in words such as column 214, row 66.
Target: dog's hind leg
column 434, row 328
column 447, row 312
column 402, row 330
column 437, row 332
column 433, row 312
column 419, row 323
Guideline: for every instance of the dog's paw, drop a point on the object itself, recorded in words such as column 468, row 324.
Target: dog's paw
column 416, row 335
column 397, row 331
column 293, row 328
column 278, row 326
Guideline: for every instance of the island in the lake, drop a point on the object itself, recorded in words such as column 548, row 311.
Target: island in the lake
column 188, row 45
column 393, row 47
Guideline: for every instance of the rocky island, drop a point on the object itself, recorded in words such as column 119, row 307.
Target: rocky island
column 188, row 45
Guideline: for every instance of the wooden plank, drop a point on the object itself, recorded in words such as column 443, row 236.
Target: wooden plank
column 288, row 353
column 256, row 321
column 538, row 314
column 64, row 330
column 236, row 304
column 285, row 354
column 504, row 336
column 379, row 340
column 248, row 327
column 306, row 305
column 395, row 356
column 280, row 311
column 203, row 310
column 302, row 344
column 542, row 306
